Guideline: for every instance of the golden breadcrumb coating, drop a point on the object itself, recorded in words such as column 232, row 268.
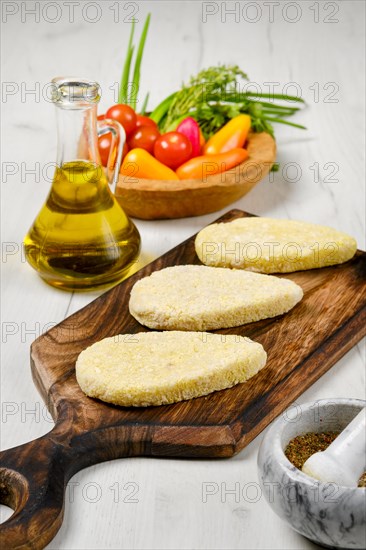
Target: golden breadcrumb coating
column 156, row 368
column 268, row 245
column 196, row 297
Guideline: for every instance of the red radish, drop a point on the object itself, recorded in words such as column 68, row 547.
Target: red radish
column 189, row 128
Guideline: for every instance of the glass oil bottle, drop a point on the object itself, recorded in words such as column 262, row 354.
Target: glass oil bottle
column 82, row 239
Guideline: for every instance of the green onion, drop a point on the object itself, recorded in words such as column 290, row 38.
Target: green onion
column 282, row 112
column 123, row 96
column 123, row 92
column 136, row 72
column 275, row 96
column 281, row 121
column 144, row 105
column 161, row 110
column 210, row 97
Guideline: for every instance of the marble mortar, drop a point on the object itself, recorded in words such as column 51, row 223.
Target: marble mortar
column 327, row 514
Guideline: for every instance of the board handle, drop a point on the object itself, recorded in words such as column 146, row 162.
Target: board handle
column 32, row 483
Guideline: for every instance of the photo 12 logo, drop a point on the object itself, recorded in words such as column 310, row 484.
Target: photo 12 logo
column 70, row 11
column 254, row 12
column 252, row 492
column 93, row 492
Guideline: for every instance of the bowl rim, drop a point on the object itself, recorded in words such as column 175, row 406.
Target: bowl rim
column 216, row 180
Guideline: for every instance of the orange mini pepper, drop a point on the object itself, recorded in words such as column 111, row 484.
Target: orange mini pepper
column 202, row 140
column 230, row 136
column 138, row 163
column 207, row 165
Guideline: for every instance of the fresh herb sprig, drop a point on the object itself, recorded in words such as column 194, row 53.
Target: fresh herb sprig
column 212, row 98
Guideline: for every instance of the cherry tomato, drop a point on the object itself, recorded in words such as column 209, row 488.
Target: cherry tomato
column 104, row 144
column 173, row 149
column 144, row 137
column 101, row 117
column 125, row 115
column 142, row 120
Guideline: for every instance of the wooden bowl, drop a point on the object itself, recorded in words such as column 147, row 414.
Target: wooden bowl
column 158, row 199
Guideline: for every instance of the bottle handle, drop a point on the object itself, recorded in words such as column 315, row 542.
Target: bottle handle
column 115, row 154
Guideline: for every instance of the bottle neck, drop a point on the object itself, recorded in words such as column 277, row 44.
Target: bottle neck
column 77, row 135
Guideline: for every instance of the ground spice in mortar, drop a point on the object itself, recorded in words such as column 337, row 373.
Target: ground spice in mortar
column 300, row 448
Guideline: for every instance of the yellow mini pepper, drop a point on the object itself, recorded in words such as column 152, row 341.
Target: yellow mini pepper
column 230, row 136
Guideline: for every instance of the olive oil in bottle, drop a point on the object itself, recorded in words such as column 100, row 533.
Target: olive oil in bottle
column 81, row 239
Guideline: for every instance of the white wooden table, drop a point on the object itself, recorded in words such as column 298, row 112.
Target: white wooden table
column 318, row 47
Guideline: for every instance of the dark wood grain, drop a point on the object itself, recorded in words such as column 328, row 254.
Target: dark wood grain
column 301, row 345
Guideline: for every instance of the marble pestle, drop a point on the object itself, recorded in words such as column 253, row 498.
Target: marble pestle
column 343, row 462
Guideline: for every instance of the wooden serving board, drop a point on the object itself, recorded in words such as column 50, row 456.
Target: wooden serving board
column 301, row 345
